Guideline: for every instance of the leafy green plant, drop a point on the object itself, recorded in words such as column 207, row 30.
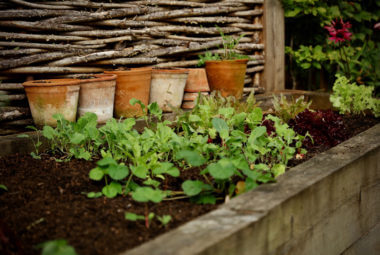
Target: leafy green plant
column 288, row 109
column 352, row 98
column 164, row 219
column 56, row 247
column 229, row 45
column 109, row 168
column 36, row 142
column 3, row 187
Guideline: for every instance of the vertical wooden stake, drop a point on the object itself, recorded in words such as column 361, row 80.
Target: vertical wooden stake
column 274, row 41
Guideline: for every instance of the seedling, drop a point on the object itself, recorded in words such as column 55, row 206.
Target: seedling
column 56, row 247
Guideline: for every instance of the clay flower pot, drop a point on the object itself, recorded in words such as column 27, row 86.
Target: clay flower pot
column 97, row 94
column 227, row 76
column 133, row 83
column 48, row 97
column 167, row 88
column 197, row 81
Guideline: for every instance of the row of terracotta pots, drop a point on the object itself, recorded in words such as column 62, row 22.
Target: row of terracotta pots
column 107, row 94
column 97, row 93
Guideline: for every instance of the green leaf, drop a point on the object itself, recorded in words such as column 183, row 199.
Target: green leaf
column 118, row 172
column 23, row 136
column 166, row 168
column 194, row 118
column 278, row 169
column 155, row 110
column 146, row 194
column 56, row 247
column 106, row 162
column 96, row 174
column 222, row 170
column 256, row 133
column 256, row 115
column 220, row 126
column 129, row 123
column 140, row 171
column 48, row 132
column 94, row 194
column 164, row 219
column 193, row 188
column 111, row 190
column 204, row 199
column 133, row 216
column 3, row 187
column 192, row 157
column 151, row 182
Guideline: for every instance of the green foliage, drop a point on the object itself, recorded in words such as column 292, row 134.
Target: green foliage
column 288, row 109
column 350, row 98
column 56, row 247
column 3, row 187
column 229, row 50
column 223, row 137
column 308, row 47
column 164, row 219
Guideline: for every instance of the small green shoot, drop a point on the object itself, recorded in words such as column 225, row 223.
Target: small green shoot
column 56, row 247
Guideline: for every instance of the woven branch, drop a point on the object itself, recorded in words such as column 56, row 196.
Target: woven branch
column 40, row 37
column 11, row 86
column 43, row 26
column 41, row 6
column 53, row 70
column 24, row 61
column 50, row 46
column 16, row 52
column 101, row 55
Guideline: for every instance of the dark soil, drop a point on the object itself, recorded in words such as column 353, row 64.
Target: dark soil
column 46, row 200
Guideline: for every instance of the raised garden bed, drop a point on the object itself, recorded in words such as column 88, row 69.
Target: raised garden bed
column 294, row 215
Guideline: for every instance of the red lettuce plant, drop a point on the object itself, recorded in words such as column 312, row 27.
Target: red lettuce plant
column 325, row 127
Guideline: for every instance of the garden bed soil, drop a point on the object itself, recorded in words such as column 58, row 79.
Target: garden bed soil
column 46, row 200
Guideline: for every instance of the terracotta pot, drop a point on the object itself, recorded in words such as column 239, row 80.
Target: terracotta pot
column 48, row 97
column 167, row 88
column 197, row 80
column 192, row 96
column 227, row 76
column 133, row 83
column 188, row 104
column 97, row 94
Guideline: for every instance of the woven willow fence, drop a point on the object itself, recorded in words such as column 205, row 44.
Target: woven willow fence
column 50, row 39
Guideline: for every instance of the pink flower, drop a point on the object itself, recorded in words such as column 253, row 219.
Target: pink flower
column 339, row 31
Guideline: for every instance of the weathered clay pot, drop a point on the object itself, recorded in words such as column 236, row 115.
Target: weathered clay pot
column 133, row 83
column 192, row 96
column 48, row 97
column 227, row 76
column 197, row 81
column 97, row 94
column 167, row 87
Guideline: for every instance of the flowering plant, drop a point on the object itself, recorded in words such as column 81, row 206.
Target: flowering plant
column 339, row 34
column 338, row 31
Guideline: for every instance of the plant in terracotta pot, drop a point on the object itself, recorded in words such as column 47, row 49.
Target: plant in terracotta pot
column 226, row 71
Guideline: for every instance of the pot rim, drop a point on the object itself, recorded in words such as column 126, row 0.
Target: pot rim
column 97, row 77
column 169, row 71
column 51, row 83
column 130, row 71
column 244, row 60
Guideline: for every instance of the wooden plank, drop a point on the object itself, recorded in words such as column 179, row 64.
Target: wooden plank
column 274, row 41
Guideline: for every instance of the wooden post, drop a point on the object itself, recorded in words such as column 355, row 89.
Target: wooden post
column 274, row 41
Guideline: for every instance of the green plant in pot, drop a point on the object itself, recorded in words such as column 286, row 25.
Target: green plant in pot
column 226, row 71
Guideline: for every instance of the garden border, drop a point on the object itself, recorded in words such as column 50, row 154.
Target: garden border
column 327, row 205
